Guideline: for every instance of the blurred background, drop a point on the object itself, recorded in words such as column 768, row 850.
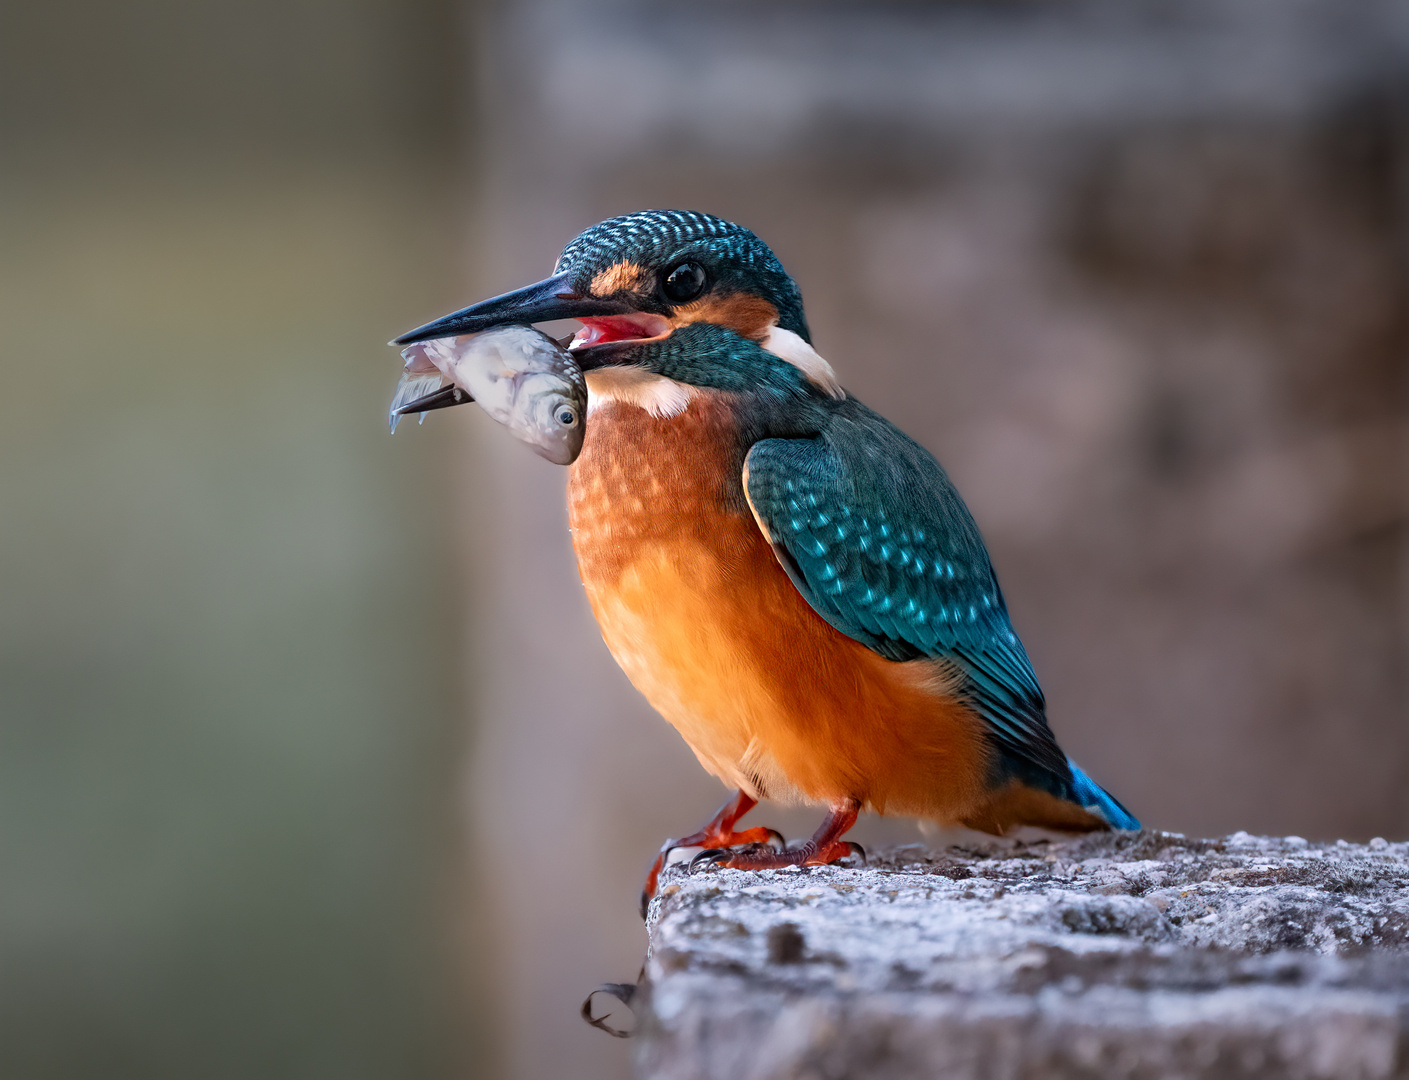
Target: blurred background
column 312, row 762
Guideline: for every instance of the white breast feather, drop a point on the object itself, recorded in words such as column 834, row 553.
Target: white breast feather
column 659, row 396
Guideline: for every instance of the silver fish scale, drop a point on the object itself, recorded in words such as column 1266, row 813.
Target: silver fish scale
column 521, row 377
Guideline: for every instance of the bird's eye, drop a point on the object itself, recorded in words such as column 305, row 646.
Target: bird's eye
column 567, row 417
column 685, row 282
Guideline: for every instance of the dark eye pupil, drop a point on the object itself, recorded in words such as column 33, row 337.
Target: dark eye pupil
column 567, row 416
column 685, row 282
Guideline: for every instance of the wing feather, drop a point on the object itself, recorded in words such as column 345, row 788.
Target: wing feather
column 875, row 537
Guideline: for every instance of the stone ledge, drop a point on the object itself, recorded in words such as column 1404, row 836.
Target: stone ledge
column 1145, row 955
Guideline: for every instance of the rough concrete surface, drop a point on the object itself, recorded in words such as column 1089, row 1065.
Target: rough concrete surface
column 1138, row 955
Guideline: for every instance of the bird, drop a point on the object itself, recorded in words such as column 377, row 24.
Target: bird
column 789, row 579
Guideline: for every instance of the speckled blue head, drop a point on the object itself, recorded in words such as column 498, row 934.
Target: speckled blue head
column 633, row 257
column 642, row 283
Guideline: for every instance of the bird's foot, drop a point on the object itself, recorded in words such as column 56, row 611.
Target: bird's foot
column 758, row 837
column 759, row 857
column 826, row 846
column 718, row 833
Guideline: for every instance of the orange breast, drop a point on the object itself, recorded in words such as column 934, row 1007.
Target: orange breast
column 704, row 621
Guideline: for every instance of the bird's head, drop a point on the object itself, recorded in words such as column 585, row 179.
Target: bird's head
column 641, row 278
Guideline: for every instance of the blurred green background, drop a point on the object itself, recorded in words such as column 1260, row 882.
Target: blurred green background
column 227, row 752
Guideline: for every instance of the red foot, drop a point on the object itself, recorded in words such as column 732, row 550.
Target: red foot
column 826, row 846
column 718, row 833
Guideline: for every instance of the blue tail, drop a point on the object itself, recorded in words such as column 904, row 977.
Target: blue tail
column 1094, row 798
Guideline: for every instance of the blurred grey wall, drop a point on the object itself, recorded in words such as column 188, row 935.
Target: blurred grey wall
column 229, row 723
column 1134, row 272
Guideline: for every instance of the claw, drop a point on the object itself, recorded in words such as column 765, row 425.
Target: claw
column 718, row 834
column 826, row 846
column 708, row 857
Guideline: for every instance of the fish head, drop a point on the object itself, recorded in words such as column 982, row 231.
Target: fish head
column 529, row 383
column 522, row 378
column 550, row 413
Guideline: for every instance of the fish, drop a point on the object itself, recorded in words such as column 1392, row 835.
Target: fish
column 518, row 375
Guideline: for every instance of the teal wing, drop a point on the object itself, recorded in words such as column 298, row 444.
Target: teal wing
column 875, row 537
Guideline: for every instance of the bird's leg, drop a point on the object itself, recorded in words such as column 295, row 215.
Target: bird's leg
column 826, row 846
column 718, row 832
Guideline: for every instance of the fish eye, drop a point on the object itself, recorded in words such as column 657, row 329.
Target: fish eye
column 566, row 416
column 684, row 282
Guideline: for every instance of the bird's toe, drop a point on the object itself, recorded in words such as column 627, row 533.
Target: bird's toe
column 709, row 857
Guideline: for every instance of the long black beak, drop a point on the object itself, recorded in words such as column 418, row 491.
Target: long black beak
column 444, row 398
column 552, row 298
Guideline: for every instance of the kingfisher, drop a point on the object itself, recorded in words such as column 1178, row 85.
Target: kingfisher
column 788, row 578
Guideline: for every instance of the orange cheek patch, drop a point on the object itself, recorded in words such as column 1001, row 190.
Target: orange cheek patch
column 748, row 316
column 619, row 277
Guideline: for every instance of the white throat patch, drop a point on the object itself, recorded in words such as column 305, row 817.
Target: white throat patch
column 659, row 396
column 786, row 345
